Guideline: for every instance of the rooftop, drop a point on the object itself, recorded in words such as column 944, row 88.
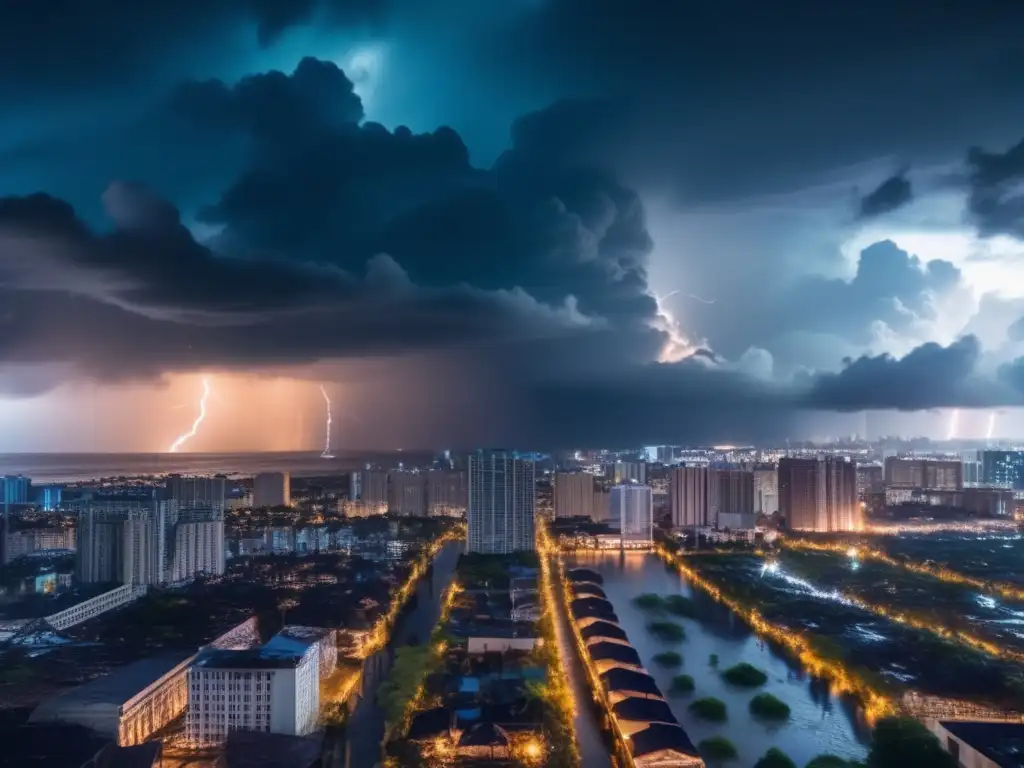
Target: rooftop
column 266, row 657
column 644, row 710
column 661, row 737
column 626, row 680
column 1002, row 743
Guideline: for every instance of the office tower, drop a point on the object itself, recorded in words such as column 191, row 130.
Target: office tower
column 407, row 494
column 447, row 493
column 205, row 492
column 15, row 489
column 574, row 494
column 732, row 492
column 368, row 493
column 819, row 494
column 271, row 489
column 1004, row 469
column 264, row 689
column 633, row 507
column 688, row 493
column 627, row 472
column 502, row 502
column 766, row 491
column 932, row 474
column 195, row 544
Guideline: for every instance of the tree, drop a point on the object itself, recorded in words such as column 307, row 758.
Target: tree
column 774, row 758
column 829, row 761
column 903, row 742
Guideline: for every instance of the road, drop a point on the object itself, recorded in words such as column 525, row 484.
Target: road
column 593, row 753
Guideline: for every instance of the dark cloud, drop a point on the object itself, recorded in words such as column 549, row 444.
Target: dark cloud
column 893, row 193
column 996, row 190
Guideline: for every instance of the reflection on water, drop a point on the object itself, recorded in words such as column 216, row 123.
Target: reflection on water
column 819, row 722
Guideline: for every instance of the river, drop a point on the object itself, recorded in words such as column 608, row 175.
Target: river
column 818, row 724
column 365, row 728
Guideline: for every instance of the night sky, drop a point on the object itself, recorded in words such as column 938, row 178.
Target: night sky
column 537, row 223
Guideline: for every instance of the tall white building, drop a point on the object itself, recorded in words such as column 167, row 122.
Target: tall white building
column 628, row 472
column 502, row 503
column 263, row 689
column 574, row 494
column 195, row 547
column 272, row 489
column 122, row 542
column 633, row 507
column 766, row 491
column 143, row 552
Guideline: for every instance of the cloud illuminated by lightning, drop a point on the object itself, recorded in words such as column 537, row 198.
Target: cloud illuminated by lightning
column 677, row 346
column 954, row 423
column 195, row 424
column 327, row 445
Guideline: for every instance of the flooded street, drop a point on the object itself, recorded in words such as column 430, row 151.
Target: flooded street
column 818, row 723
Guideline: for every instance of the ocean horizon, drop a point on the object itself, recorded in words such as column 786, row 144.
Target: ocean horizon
column 78, row 467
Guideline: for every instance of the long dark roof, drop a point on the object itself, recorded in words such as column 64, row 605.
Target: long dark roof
column 626, row 654
column 484, row 735
column 648, row 710
column 1002, row 743
column 584, row 574
column 659, row 736
column 597, row 609
column 623, row 680
column 604, row 629
column 586, row 588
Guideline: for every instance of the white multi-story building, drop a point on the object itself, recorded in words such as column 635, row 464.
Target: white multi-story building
column 502, row 503
column 197, row 547
column 766, row 491
column 633, row 507
column 263, row 689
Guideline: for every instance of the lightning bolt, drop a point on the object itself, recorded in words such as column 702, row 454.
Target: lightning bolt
column 954, row 421
column 182, row 439
column 327, row 445
column 991, row 426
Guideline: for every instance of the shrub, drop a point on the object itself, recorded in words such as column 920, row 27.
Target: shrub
column 745, row 675
column 717, row 748
column 668, row 631
column 681, row 684
column 829, row 761
column 775, row 758
column 903, row 742
column 649, row 602
column 709, row 709
column 680, row 606
column 668, row 659
column 766, row 705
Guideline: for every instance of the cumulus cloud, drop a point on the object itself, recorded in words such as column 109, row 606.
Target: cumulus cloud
column 996, row 184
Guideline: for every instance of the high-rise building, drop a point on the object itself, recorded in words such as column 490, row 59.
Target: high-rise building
column 144, row 550
column 407, row 493
column 206, row 492
column 368, row 493
column 870, row 479
column 1004, row 469
column 819, row 494
column 931, row 474
column 15, row 489
column 33, row 540
column 195, row 545
column 122, row 542
column 272, row 489
column 973, row 470
column 574, row 494
column 627, row 472
column 730, row 491
column 766, row 491
column 602, row 505
column 447, row 493
column 502, row 503
column 688, row 493
column 632, row 506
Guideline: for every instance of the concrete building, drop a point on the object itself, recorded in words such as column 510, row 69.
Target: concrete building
column 632, row 506
column 49, row 497
column 730, row 491
column 195, row 547
column 819, row 494
column 688, row 493
column 368, row 493
column 296, row 639
column 272, row 489
column 447, row 493
column 627, row 472
column 144, row 549
column 1003, row 468
column 122, row 542
column 602, row 505
column 934, row 474
column 502, row 503
column 14, row 489
column 407, row 494
column 34, row 540
column 870, row 479
column 766, row 491
column 208, row 492
column 574, row 494
column 261, row 689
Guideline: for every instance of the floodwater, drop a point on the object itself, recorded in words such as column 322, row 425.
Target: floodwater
column 819, row 723
column 365, row 728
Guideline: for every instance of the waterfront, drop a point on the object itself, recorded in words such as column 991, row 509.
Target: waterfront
column 818, row 723
column 365, row 728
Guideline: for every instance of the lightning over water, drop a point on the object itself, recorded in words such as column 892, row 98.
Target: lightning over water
column 327, row 444
column 182, row 439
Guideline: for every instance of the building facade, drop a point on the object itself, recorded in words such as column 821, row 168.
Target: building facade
column 632, row 506
column 766, row 491
column 447, row 493
column 574, row 494
column 731, row 491
column 819, row 494
column 196, row 547
column 407, row 494
column 272, row 489
column 368, row 493
column 688, row 493
column 208, row 492
column 934, row 474
column 502, row 503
